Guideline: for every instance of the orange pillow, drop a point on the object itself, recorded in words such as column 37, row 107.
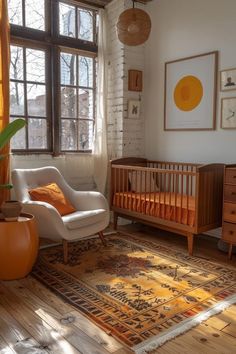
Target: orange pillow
column 53, row 195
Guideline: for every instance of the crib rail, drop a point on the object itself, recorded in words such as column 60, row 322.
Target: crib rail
column 162, row 192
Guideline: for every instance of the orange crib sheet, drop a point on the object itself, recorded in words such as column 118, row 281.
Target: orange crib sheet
column 169, row 206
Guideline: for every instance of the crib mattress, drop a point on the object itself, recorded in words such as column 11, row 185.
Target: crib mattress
column 169, row 206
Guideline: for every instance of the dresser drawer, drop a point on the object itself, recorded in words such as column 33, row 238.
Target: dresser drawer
column 230, row 175
column 230, row 193
column 229, row 212
column 229, row 232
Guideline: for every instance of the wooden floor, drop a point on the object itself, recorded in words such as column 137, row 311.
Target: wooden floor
column 35, row 321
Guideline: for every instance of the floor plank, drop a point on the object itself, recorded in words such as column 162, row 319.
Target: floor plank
column 230, row 329
column 63, row 325
column 43, row 333
column 202, row 339
column 16, row 337
column 4, row 348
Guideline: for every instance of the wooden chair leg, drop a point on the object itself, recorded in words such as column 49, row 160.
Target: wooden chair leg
column 65, row 251
column 115, row 220
column 102, row 238
column 190, row 244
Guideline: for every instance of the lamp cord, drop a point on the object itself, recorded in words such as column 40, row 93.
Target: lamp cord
column 133, row 4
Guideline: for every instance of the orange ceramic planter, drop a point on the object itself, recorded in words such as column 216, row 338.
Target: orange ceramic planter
column 18, row 247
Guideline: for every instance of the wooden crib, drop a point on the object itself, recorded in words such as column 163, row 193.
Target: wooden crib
column 184, row 198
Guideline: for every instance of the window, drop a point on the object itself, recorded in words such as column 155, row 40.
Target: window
column 27, row 13
column 52, row 74
column 77, row 101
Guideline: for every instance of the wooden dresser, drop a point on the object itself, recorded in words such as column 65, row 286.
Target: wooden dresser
column 229, row 207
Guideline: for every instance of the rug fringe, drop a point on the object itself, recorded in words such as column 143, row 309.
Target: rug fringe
column 157, row 341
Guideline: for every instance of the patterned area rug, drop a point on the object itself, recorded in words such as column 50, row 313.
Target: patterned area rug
column 142, row 293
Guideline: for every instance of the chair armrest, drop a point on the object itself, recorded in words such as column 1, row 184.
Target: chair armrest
column 48, row 219
column 36, row 205
column 82, row 200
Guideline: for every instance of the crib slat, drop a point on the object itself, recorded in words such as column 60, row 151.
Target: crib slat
column 169, row 189
column 150, row 188
column 181, row 197
column 187, row 192
column 176, row 191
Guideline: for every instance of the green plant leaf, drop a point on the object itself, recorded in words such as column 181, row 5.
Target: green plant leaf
column 6, row 186
column 10, row 130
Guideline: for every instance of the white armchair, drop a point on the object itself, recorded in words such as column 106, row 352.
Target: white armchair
column 91, row 215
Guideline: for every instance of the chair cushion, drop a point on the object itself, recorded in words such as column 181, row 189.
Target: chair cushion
column 53, row 195
column 83, row 218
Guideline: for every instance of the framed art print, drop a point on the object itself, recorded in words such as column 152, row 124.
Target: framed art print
column 228, row 113
column 190, row 93
column 228, row 80
column 135, row 80
column 133, row 109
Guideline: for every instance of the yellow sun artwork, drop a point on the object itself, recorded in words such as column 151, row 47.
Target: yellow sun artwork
column 188, row 93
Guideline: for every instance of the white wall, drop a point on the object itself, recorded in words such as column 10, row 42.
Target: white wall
column 181, row 28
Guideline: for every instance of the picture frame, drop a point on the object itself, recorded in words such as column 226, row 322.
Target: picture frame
column 228, row 79
column 135, row 80
column 134, row 109
column 228, row 113
column 190, row 93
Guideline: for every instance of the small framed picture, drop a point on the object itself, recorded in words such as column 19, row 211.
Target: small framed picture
column 228, row 113
column 228, row 80
column 135, row 80
column 133, row 109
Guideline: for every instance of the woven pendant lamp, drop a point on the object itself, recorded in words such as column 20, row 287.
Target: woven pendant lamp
column 133, row 26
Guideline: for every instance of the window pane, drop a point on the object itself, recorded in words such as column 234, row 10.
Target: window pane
column 85, row 71
column 67, row 20
column 85, row 25
column 18, row 140
column 17, row 98
column 69, row 133
column 35, row 65
column 16, row 64
column 68, row 102
column 85, row 135
column 36, row 100
column 15, row 12
column 86, row 104
column 37, row 129
column 68, row 71
column 35, row 14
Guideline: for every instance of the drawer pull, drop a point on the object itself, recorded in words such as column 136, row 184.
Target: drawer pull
column 234, row 176
column 231, row 232
column 233, row 193
column 232, row 212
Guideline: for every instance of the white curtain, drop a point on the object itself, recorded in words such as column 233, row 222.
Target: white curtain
column 100, row 136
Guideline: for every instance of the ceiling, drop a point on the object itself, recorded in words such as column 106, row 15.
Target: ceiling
column 102, row 3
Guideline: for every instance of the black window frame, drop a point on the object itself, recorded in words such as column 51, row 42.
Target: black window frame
column 54, row 43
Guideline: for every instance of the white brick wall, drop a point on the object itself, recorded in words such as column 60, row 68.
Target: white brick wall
column 125, row 135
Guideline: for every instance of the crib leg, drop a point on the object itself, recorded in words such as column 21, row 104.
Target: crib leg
column 115, row 216
column 190, row 244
